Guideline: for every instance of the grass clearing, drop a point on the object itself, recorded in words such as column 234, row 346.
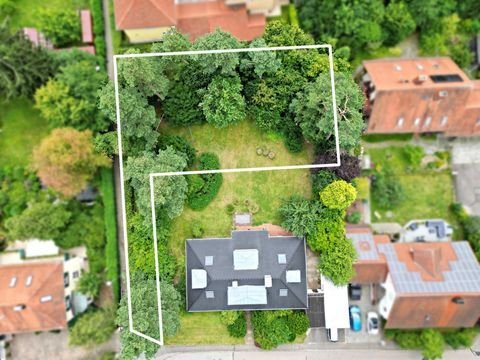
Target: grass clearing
column 203, row 328
column 236, row 145
column 265, row 188
column 22, row 128
column 428, row 193
column 27, row 11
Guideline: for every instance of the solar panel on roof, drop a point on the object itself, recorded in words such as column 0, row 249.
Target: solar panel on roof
column 446, row 78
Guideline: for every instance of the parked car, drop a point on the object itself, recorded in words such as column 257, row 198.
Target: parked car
column 373, row 323
column 355, row 291
column 332, row 334
column 355, row 318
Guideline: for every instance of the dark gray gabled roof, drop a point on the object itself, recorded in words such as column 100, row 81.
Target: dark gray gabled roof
column 221, row 274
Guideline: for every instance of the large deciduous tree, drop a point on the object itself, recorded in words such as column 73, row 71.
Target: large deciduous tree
column 145, row 315
column 138, row 119
column 398, row 22
column 92, row 328
column 66, row 161
column 70, row 98
column 169, row 191
column 41, row 220
column 223, row 103
column 23, row 66
column 143, row 73
column 314, row 113
column 223, row 63
column 260, row 62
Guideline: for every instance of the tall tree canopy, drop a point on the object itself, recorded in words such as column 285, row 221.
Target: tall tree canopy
column 145, row 315
column 313, row 111
column 223, row 103
column 170, row 191
column 41, row 220
column 23, row 66
column 66, row 161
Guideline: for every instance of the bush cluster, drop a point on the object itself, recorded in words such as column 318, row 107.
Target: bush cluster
column 203, row 188
column 238, row 328
column 98, row 29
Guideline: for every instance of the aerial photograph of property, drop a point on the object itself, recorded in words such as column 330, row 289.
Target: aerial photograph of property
column 239, row 179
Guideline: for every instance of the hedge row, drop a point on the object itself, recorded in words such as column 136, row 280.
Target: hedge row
column 96, row 7
column 204, row 188
column 111, row 249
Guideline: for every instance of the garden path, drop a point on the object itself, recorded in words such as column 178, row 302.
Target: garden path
column 249, row 337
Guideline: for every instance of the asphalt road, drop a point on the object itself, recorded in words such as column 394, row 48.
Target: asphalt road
column 327, row 354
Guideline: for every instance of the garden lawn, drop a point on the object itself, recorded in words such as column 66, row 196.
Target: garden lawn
column 265, row 188
column 26, row 14
column 22, row 128
column 428, row 193
column 237, row 144
column 204, row 328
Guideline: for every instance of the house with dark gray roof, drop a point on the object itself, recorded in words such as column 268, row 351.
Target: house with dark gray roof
column 248, row 271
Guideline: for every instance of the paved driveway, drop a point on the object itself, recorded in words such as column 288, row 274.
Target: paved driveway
column 466, row 170
column 47, row 345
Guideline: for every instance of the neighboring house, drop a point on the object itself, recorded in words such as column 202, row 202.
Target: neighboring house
column 427, row 285
column 249, row 271
column 427, row 230
column 422, row 95
column 148, row 20
column 37, row 290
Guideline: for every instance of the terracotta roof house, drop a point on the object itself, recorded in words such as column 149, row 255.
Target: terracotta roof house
column 148, row 20
column 422, row 95
column 39, row 294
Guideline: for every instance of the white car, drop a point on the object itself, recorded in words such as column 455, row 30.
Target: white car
column 373, row 323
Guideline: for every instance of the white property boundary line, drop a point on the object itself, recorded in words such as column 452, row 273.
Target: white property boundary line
column 153, row 175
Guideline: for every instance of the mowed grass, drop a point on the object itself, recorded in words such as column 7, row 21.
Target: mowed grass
column 22, row 128
column 26, row 14
column 202, row 329
column 428, row 193
column 236, row 145
column 265, row 188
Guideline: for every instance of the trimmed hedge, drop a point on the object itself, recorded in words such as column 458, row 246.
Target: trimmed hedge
column 96, row 7
column 111, row 249
column 200, row 195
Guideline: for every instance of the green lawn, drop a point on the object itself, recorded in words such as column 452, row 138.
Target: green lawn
column 428, row 193
column 22, row 128
column 202, row 329
column 27, row 10
column 265, row 188
column 236, row 145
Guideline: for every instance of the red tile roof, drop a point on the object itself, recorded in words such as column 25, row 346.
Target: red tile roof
column 22, row 288
column 87, row 30
column 194, row 19
column 408, row 100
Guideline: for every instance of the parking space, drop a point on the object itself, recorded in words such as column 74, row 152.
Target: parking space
column 365, row 305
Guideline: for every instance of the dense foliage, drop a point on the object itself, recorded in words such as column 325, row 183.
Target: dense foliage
column 24, row 67
column 60, row 25
column 387, row 190
column 338, row 195
column 92, row 328
column 66, row 161
column 349, row 165
column 272, row 328
column 300, row 216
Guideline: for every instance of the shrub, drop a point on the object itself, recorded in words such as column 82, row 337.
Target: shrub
column 338, row 195
column 298, row 322
column 354, row 217
column 320, row 180
column 60, row 25
column 89, row 284
column 180, row 144
column 458, row 338
column 229, row 317
column 197, row 230
column 238, row 328
column 92, row 328
column 110, row 219
column 349, row 165
column 294, row 140
column 414, row 154
column 300, row 216
column 230, row 209
column 272, row 328
column 201, row 196
column 336, row 263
